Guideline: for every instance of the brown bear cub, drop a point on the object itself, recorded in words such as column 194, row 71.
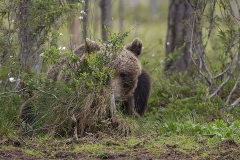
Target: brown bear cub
column 130, row 84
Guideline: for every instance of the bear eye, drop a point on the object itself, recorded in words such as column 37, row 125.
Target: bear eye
column 123, row 76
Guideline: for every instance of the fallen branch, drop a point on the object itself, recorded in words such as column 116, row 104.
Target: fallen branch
column 13, row 91
column 235, row 103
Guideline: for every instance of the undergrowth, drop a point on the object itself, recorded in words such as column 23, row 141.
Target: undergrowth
column 215, row 131
column 182, row 107
column 80, row 99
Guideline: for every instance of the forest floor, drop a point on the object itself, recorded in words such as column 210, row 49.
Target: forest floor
column 120, row 148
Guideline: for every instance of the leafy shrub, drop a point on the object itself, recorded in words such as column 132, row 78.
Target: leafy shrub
column 82, row 101
column 181, row 97
column 9, row 113
column 217, row 130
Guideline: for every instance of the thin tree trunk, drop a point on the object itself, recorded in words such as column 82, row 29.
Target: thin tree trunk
column 121, row 15
column 105, row 6
column 85, row 21
column 24, row 34
column 95, row 20
column 153, row 6
column 178, row 36
column 135, row 4
column 74, row 30
column 29, row 47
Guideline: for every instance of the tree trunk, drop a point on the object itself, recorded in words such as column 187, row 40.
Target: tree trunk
column 153, row 6
column 135, row 5
column 178, row 36
column 29, row 47
column 24, row 34
column 74, row 30
column 121, row 15
column 85, row 21
column 105, row 6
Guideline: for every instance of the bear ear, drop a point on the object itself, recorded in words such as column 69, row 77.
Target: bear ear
column 135, row 46
column 88, row 47
column 91, row 46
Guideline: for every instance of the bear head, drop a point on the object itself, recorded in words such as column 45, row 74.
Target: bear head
column 126, row 65
column 127, row 69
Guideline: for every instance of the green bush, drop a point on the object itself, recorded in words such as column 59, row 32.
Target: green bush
column 84, row 96
column 217, row 130
column 9, row 113
column 181, row 97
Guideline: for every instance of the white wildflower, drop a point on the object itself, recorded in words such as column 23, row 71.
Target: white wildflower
column 153, row 55
column 83, row 12
column 80, row 17
column 12, row 79
column 83, row 1
column 42, row 54
column 60, row 34
column 168, row 43
column 61, row 48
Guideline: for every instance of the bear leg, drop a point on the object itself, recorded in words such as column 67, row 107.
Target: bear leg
column 142, row 92
column 131, row 107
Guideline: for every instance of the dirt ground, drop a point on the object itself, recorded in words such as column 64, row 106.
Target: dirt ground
column 15, row 154
column 25, row 149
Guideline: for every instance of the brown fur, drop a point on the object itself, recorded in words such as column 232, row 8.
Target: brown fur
column 142, row 92
column 127, row 70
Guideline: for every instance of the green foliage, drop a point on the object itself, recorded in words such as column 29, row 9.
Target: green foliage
column 218, row 130
column 175, row 99
column 181, row 97
column 84, row 95
column 116, row 39
column 9, row 113
column 189, row 96
column 52, row 55
column 99, row 154
column 45, row 18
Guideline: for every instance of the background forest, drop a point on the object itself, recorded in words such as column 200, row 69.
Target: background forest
column 190, row 49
